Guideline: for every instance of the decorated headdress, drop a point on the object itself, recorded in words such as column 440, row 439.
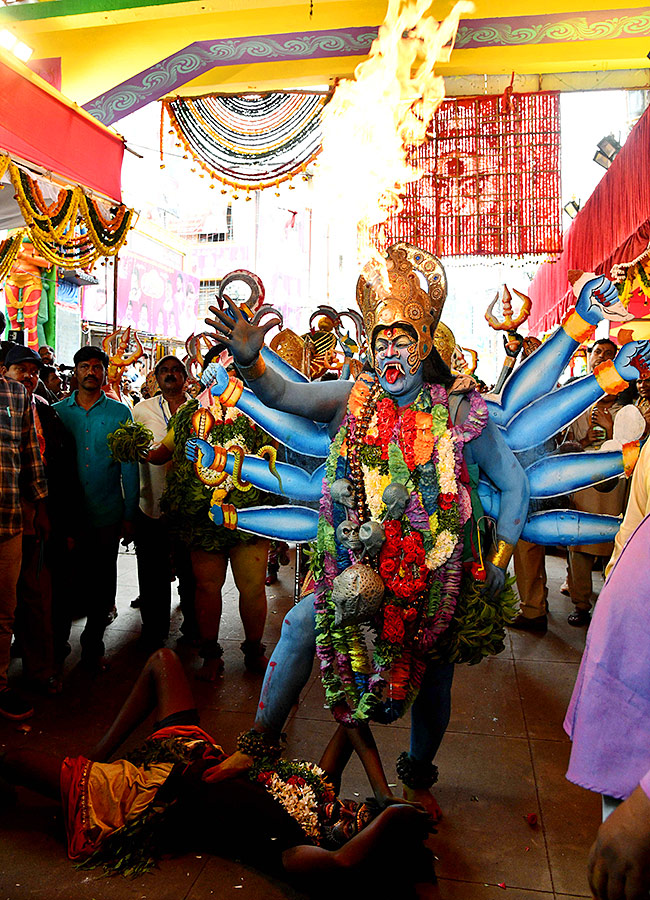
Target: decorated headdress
column 407, row 302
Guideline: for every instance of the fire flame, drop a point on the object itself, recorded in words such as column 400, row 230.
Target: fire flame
column 371, row 120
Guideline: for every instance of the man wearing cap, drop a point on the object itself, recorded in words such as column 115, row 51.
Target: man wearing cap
column 110, row 494
column 152, row 540
column 42, row 574
column 21, row 477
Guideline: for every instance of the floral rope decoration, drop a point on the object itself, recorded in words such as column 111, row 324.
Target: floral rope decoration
column 9, row 250
column 375, row 671
column 71, row 231
column 248, row 142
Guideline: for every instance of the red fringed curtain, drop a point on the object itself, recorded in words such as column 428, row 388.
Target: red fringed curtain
column 612, row 227
column 491, row 179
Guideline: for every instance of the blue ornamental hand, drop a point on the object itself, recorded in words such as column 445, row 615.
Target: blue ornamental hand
column 216, row 377
column 495, row 579
column 633, row 360
column 197, row 450
column 596, row 298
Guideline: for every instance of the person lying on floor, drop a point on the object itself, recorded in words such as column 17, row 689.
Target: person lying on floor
column 175, row 794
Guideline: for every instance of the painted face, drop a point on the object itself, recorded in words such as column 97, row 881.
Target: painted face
column 396, row 363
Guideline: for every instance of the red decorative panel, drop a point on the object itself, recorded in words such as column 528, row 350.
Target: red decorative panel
column 491, row 179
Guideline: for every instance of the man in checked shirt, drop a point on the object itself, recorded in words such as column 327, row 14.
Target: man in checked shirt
column 21, row 475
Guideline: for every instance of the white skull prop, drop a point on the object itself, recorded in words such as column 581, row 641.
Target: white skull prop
column 357, row 594
column 371, row 535
column 343, row 492
column 396, row 498
column 347, row 534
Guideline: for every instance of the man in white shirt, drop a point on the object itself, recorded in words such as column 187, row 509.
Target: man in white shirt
column 152, row 541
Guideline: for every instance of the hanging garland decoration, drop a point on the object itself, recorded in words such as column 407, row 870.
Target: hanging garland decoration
column 9, row 250
column 248, row 142
column 71, row 231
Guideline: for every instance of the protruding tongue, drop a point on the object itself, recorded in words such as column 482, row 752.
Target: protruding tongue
column 391, row 374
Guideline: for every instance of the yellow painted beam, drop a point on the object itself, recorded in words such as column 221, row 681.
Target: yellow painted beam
column 99, row 51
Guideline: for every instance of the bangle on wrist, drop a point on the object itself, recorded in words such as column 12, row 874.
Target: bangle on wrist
column 630, row 456
column 254, row 371
column 608, row 378
column 500, row 554
column 576, row 327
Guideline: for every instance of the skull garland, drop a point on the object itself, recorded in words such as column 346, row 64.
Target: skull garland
column 342, row 492
column 372, row 536
column 357, row 594
column 347, row 534
column 396, row 498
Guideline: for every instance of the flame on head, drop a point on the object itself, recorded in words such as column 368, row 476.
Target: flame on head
column 372, row 119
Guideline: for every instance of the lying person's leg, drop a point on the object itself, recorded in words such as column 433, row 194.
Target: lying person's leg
column 161, row 685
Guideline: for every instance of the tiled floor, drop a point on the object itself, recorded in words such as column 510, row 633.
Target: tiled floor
column 503, row 758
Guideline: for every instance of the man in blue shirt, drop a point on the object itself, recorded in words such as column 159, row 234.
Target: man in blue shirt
column 110, row 491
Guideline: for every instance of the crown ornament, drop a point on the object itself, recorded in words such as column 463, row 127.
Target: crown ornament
column 415, row 297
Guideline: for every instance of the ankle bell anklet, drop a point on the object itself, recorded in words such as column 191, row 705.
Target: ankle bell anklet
column 415, row 774
column 260, row 745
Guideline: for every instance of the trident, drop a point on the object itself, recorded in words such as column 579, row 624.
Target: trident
column 514, row 341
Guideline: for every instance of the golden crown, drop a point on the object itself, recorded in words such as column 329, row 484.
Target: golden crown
column 407, row 301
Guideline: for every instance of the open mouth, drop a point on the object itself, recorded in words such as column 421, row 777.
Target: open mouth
column 392, row 372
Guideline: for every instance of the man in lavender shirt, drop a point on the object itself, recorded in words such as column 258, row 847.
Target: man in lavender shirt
column 608, row 721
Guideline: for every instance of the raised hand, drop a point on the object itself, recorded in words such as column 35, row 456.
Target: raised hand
column 244, row 339
column 598, row 300
column 197, row 450
column 633, row 360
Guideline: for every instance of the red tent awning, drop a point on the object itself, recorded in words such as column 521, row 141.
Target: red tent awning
column 612, row 227
column 41, row 126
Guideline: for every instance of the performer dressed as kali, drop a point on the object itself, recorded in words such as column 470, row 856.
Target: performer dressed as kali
column 407, row 441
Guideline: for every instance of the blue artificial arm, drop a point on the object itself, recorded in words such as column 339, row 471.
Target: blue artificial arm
column 291, row 481
column 560, row 527
column 283, row 523
column 563, row 473
column 543, row 418
column 538, row 374
column 294, row 431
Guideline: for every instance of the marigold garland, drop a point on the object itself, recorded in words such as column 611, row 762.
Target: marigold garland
column 375, row 672
column 71, row 231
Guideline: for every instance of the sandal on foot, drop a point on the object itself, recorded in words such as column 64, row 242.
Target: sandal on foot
column 254, row 658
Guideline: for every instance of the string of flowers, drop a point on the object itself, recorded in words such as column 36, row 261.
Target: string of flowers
column 375, row 672
column 9, row 250
column 72, row 230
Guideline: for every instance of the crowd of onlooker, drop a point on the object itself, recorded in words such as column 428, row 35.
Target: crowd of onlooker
column 66, row 504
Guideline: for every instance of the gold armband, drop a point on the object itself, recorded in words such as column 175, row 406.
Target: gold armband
column 500, row 554
column 577, row 328
column 608, row 378
column 630, row 456
column 252, row 373
column 229, row 516
column 233, row 392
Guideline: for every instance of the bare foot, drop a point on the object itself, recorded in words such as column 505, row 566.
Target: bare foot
column 234, row 765
column 426, row 799
column 210, row 670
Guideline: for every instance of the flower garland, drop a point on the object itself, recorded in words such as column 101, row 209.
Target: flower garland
column 72, row 230
column 420, row 561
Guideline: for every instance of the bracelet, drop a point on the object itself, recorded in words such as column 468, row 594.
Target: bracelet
column 630, row 453
column 500, row 554
column 608, row 378
column 233, row 392
column 576, row 327
column 254, row 371
column 414, row 773
column 261, row 745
